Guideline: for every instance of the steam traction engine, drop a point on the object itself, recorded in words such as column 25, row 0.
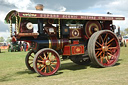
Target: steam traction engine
column 80, row 37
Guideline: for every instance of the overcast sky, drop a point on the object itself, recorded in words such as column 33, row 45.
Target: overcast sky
column 116, row 7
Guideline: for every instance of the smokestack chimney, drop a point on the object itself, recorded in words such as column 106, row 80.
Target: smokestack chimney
column 40, row 20
column 39, row 7
column 118, row 30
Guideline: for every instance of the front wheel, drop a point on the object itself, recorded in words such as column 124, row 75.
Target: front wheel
column 46, row 62
column 104, row 48
column 29, row 60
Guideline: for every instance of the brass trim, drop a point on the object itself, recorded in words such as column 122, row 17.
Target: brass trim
column 96, row 23
column 62, row 43
column 75, row 37
column 19, row 25
column 50, row 44
column 74, row 34
column 59, row 28
column 10, row 27
column 16, row 25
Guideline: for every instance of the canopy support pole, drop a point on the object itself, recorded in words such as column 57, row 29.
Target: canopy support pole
column 10, row 27
column 59, row 28
column 17, row 29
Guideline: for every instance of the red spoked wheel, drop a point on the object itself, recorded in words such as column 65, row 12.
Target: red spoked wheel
column 29, row 60
column 46, row 62
column 104, row 48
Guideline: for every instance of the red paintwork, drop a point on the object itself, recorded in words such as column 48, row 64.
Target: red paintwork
column 64, row 16
column 73, row 49
column 77, row 49
column 67, row 50
column 76, row 42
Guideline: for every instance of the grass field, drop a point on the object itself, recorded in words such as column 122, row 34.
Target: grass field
column 14, row 72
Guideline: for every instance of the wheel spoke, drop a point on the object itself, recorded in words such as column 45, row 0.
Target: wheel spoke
column 109, row 51
column 98, row 43
column 53, row 63
column 45, row 69
column 111, row 55
column 105, row 37
column 107, row 59
column 45, row 56
column 49, row 69
column 102, row 39
column 98, row 49
column 101, row 59
column 109, row 45
column 41, row 58
column 52, row 67
column 39, row 65
column 42, row 67
column 99, row 54
column 110, row 40
column 113, row 48
column 40, row 61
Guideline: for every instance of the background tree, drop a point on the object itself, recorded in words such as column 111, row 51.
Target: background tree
column 122, row 33
column 2, row 39
column 8, row 40
column 126, row 30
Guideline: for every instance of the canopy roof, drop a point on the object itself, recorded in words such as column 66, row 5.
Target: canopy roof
column 60, row 15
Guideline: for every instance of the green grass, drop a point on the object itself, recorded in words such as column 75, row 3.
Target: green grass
column 14, row 72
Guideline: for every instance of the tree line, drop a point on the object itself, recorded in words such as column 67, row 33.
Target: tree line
column 4, row 40
column 125, row 32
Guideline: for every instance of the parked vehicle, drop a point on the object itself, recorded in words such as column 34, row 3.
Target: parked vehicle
column 14, row 45
column 81, row 37
column 125, row 40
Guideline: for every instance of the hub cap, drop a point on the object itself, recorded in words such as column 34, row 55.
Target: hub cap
column 48, row 62
column 105, row 48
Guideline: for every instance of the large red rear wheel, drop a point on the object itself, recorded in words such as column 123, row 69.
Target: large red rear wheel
column 103, row 48
column 46, row 62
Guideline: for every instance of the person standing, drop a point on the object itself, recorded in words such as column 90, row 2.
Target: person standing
column 25, row 46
